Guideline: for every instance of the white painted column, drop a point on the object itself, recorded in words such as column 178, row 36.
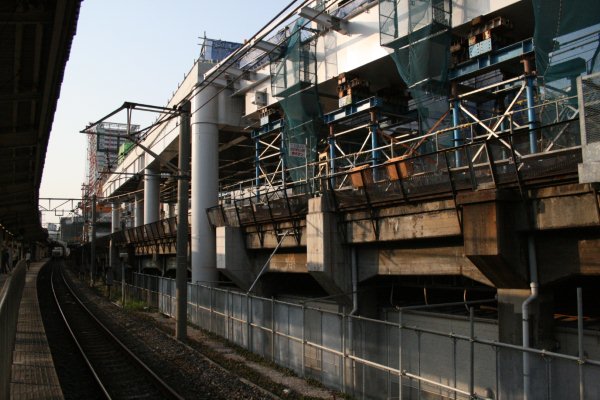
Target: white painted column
column 151, row 195
column 171, row 210
column 115, row 217
column 138, row 212
column 205, row 176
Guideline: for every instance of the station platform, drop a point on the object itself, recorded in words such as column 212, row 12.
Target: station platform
column 33, row 372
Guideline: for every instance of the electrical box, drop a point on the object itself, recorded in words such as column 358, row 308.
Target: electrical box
column 260, row 99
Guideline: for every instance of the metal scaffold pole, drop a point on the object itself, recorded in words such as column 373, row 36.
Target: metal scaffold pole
column 182, row 221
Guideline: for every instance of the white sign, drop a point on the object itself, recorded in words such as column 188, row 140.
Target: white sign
column 297, row 150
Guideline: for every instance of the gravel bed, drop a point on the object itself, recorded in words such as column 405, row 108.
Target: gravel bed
column 198, row 370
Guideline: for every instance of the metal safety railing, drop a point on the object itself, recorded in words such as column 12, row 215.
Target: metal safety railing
column 487, row 160
column 409, row 354
column 10, row 300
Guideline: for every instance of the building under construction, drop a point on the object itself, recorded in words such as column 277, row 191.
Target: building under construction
column 397, row 198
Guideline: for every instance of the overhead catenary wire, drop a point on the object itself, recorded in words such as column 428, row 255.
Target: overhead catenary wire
column 243, row 51
column 230, row 61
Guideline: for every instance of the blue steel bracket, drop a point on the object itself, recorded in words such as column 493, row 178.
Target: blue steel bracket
column 363, row 106
column 268, row 128
column 491, row 60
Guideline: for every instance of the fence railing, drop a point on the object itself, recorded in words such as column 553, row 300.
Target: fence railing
column 486, row 158
column 10, row 299
column 451, row 357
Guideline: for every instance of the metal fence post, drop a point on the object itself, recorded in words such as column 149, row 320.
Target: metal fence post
column 210, row 312
column 580, row 341
column 400, row 355
column 454, row 363
column 344, row 353
column 419, row 333
column 198, row 318
column 303, row 340
column 248, row 322
column 226, row 312
column 472, row 352
column 273, row 329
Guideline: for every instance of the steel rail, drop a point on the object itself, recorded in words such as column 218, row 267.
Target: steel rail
column 161, row 385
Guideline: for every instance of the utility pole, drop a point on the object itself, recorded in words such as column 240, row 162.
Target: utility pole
column 93, row 242
column 182, row 220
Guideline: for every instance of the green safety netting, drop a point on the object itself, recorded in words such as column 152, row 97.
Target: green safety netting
column 293, row 77
column 421, row 56
column 566, row 38
column 566, row 43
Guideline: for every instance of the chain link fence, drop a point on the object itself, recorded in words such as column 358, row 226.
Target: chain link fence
column 439, row 356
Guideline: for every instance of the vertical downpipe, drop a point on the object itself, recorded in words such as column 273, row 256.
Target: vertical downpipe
column 525, row 313
column 354, row 272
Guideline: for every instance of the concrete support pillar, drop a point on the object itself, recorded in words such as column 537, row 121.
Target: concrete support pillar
column 138, row 210
column 232, row 258
column 151, row 195
column 115, row 217
column 491, row 222
column 171, row 210
column 205, row 176
column 113, row 254
column 326, row 259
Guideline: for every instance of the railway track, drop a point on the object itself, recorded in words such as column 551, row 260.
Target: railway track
column 119, row 373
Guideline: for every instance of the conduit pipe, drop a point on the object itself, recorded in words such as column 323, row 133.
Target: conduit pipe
column 354, row 266
column 354, row 272
column 525, row 312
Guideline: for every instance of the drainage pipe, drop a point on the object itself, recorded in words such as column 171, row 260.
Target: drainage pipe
column 354, row 272
column 525, row 312
column 354, row 265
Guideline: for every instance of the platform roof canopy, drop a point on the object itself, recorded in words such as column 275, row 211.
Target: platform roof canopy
column 35, row 41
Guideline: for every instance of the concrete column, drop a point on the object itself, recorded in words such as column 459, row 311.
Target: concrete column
column 138, row 211
column 151, row 195
column 232, row 258
column 205, row 176
column 171, row 210
column 326, row 259
column 115, row 217
column 510, row 324
column 492, row 220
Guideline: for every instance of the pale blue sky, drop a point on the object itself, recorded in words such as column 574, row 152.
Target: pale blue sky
column 133, row 50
